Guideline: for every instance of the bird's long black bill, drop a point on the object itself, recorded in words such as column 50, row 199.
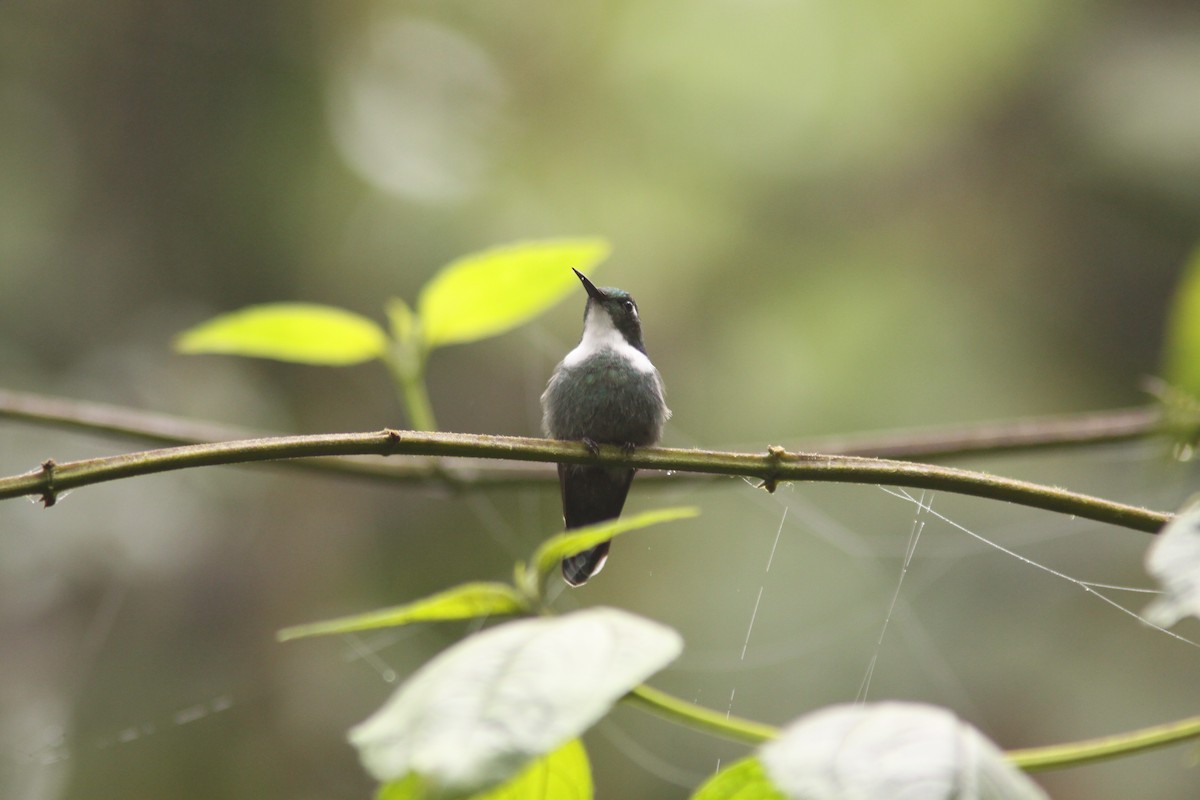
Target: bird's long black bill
column 591, row 287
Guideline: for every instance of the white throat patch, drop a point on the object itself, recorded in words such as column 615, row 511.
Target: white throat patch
column 600, row 334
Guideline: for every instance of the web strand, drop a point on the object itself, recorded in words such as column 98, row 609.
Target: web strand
column 1090, row 587
column 910, row 550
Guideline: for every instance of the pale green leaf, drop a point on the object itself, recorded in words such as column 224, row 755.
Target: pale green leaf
column 410, row 787
column 1174, row 559
column 305, row 333
column 564, row 774
column 1181, row 354
column 552, row 551
column 488, row 293
column 882, row 751
column 468, row 601
column 741, row 780
column 481, row 710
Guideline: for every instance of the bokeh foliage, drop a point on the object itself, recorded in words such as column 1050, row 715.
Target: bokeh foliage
column 836, row 216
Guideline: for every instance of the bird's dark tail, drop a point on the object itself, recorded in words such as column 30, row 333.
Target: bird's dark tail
column 590, row 495
column 578, row 568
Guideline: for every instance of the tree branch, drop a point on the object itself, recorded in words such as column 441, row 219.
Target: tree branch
column 166, row 429
column 1037, row 433
column 772, row 467
column 1008, row 436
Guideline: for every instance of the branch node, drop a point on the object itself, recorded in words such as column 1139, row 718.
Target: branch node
column 49, row 494
column 775, row 454
column 393, row 437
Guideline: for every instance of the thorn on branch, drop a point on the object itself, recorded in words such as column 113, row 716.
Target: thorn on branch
column 49, row 494
column 775, row 454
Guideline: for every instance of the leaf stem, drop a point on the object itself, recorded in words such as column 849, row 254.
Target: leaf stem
column 1034, row 759
column 699, row 717
column 407, row 367
column 416, row 400
column 1074, row 754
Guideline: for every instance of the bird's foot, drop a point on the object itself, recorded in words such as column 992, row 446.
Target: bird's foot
column 592, row 446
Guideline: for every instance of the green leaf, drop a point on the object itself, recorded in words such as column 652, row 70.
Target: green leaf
column 488, row 293
column 1181, row 355
column 481, row 710
column 411, row 787
column 741, row 780
column 565, row 774
column 564, row 545
column 304, row 333
column 468, row 601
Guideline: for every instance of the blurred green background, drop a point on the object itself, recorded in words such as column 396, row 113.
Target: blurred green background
column 836, row 217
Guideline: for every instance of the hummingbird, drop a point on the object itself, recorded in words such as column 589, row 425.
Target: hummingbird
column 605, row 391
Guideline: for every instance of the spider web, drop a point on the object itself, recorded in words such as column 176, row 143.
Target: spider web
column 901, row 574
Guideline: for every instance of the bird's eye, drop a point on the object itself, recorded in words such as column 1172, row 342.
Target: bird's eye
column 629, row 306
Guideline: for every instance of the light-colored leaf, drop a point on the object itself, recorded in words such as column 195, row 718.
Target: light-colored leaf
column 1174, row 559
column 565, row 774
column 478, row 712
column 741, row 780
column 886, row 751
column 468, row 601
column 1181, row 353
column 304, row 333
column 488, row 293
column 564, row 545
